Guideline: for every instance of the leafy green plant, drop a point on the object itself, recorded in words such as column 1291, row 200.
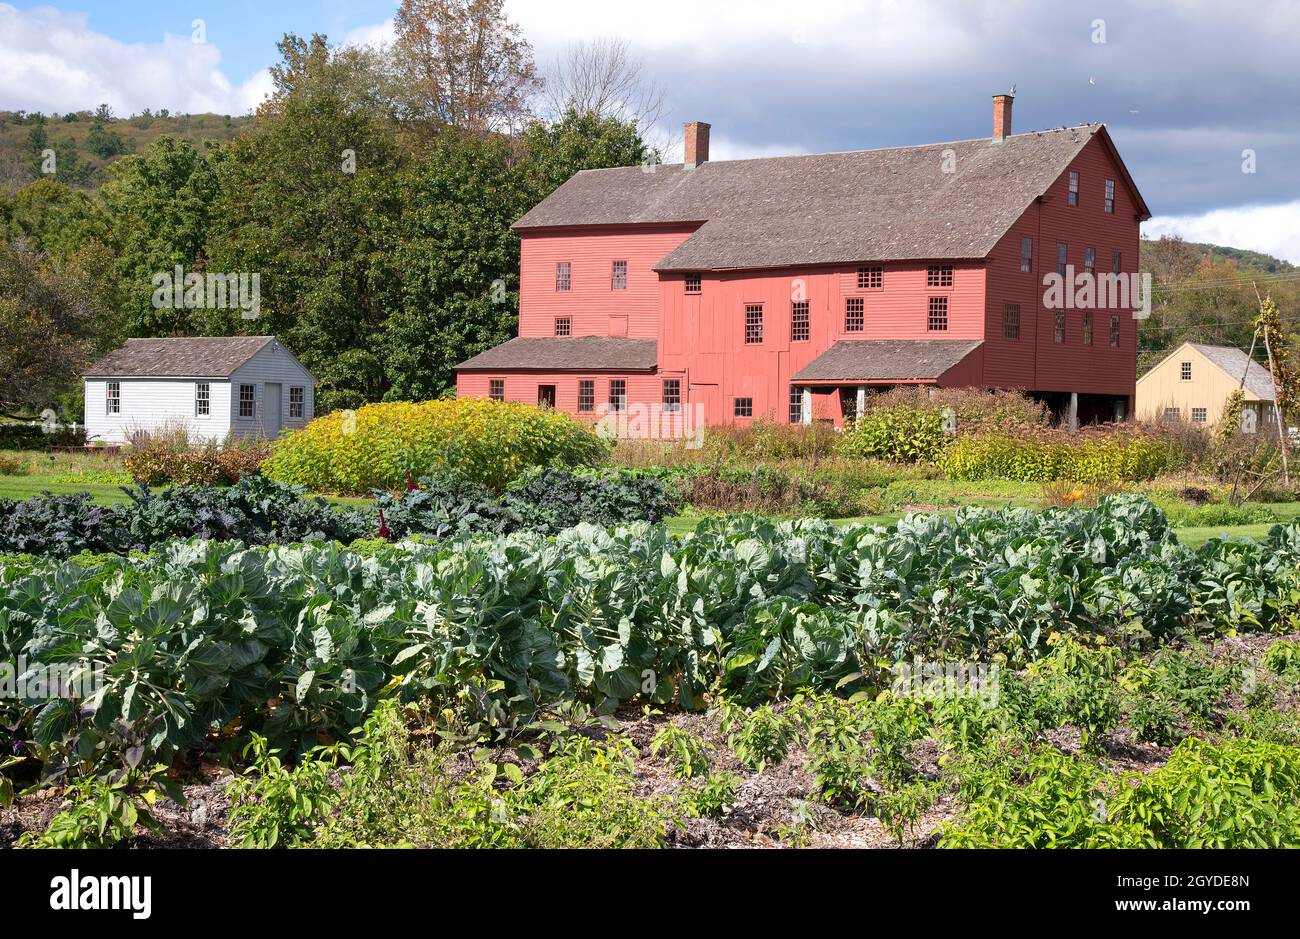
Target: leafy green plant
column 760, row 737
column 273, row 805
column 104, row 811
column 685, row 753
column 711, row 796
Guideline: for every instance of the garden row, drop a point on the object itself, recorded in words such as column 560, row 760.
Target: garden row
column 298, row 641
column 258, row 511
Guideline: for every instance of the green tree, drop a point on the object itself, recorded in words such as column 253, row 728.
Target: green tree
column 306, row 201
column 50, row 314
column 161, row 204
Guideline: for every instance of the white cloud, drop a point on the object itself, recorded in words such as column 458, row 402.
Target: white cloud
column 53, row 61
column 1272, row 229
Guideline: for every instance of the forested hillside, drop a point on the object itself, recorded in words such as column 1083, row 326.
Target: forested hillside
column 372, row 195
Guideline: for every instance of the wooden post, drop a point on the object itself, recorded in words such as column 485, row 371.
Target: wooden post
column 807, row 405
column 1074, row 411
column 1277, row 410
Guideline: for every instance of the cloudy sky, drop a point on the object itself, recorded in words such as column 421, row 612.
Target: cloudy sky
column 1185, row 86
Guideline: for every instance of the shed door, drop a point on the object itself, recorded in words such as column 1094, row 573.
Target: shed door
column 271, row 422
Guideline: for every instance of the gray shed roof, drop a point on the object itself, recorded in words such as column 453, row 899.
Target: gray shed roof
column 187, row 357
column 890, row 204
column 887, row 360
column 1233, row 361
column 582, row 353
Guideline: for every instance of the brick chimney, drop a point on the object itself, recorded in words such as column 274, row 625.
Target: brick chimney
column 697, row 143
column 1002, row 117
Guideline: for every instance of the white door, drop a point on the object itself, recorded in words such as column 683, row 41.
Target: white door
column 271, row 410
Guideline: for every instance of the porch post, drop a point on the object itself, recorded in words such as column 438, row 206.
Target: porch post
column 1074, row 411
column 861, row 404
column 806, row 409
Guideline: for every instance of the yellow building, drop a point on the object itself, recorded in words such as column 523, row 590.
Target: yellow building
column 1194, row 381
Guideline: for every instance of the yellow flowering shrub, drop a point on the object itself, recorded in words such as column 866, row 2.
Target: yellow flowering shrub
column 491, row 442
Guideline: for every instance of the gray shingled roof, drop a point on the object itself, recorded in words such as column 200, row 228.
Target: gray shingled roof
column 887, row 360
column 891, row 204
column 1233, row 361
column 583, row 353
column 188, row 357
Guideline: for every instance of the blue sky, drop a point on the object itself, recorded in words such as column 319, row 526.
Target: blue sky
column 1185, row 86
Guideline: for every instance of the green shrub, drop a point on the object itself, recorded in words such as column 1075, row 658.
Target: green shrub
column 686, row 754
column 1090, row 458
column 375, row 447
column 903, row 433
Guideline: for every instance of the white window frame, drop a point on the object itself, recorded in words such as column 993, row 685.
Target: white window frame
column 113, row 397
column 301, row 402
column 202, row 399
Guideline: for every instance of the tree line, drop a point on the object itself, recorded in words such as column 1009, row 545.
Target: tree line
column 372, row 194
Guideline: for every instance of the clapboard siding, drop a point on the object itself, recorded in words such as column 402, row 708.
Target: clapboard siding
column 272, row 364
column 149, row 404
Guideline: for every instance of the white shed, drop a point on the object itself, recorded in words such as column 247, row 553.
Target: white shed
column 215, row 385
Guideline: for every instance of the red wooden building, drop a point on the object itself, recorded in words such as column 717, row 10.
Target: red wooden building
column 791, row 287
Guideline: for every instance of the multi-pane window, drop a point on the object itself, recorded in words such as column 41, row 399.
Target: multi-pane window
column 618, row 276
column 938, row 275
column 796, row 405
column 1089, row 260
column 693, row 283
column 938, row 318
column 753, row 323
column 1060, row 326
column 1116, row 262
column 247, row 400
column 617, row 394
column 743, row 407
column 202, row 399
column 1087, row 327
column 497, row 389
column 800, row 327
column 586, row 394
column 1185, row 371
column 1109, row 205
column 297, row 401
column 113, row 397
column 1114, row 332
column 564, row 326
column 1073, row 198
column 1060, row 258
column 563, row 275
column 1174, row 413
column 1026, row 254
column 672, row 394
column 1011, row 320
column 855, row 315
column 869, row 278
column 1199, row 415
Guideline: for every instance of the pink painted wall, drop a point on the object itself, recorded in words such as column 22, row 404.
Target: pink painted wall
column 704, row 336
column 1037, row 362
column 595, row 308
